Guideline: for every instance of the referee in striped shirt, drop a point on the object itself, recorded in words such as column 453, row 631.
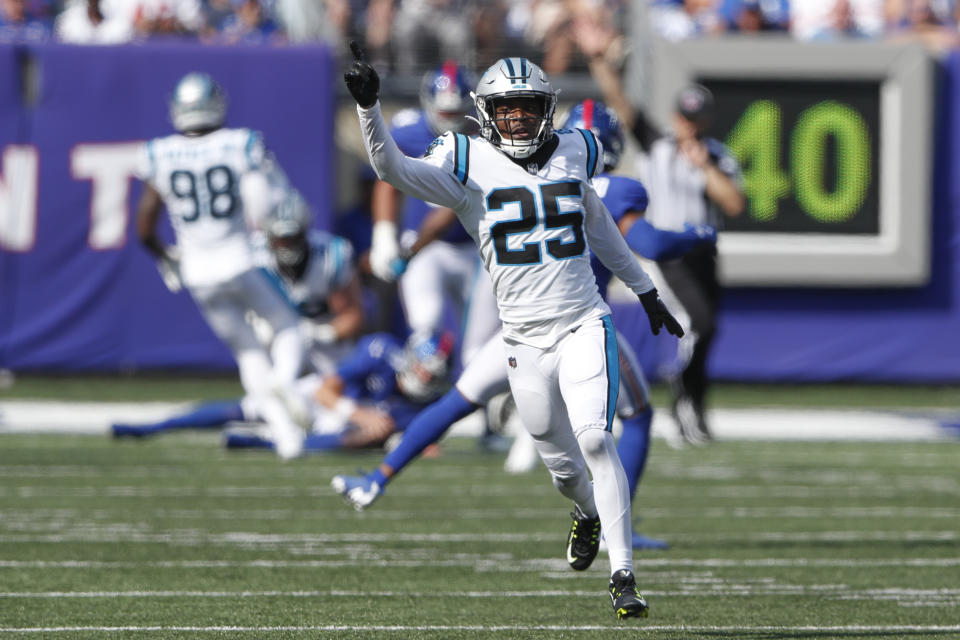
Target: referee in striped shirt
column 692, row 179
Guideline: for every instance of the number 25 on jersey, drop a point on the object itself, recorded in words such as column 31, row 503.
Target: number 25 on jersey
column 531, row 216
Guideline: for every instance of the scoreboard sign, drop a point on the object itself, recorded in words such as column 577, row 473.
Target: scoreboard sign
column 834, row 145
column 807, row 151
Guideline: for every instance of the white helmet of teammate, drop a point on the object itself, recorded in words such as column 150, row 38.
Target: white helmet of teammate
column 512, row 78
column 198, row 103
column 287, row 226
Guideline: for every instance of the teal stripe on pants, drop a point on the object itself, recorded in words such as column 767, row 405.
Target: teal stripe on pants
column 613, row 368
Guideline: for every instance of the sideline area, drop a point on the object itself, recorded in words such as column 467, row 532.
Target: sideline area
column 760, row 423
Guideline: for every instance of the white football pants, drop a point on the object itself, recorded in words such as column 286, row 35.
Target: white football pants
column 447, row 271
column 566, row 396
column 267, row 379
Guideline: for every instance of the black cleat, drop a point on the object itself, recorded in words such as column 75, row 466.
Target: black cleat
column 626, row 598
column 583, row 541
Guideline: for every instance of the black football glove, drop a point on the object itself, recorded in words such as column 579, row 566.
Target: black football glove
column 658, row 314
column 362, row 79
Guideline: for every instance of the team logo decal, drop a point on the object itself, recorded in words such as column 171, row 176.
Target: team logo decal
column 512, row 362
column 433, row 145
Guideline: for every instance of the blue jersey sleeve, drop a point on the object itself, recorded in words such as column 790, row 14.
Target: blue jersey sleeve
column 657, row 244
column 414, row 137
column 624, row 195
column 411, row 133
column 370, row 351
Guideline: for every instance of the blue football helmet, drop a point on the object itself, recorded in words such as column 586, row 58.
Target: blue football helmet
column 597, row 117
column 423, row 372
column 445, row 97
column 198, row 103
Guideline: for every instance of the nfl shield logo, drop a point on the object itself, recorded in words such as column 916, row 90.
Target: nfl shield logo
column 512, row 362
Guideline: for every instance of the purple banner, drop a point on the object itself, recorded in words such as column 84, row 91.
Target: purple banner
column 77, row 291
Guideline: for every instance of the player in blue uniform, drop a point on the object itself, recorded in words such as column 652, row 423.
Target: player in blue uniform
column 627, row 200
column 376, row 390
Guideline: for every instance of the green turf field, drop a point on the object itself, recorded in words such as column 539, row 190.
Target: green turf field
column 178, row 538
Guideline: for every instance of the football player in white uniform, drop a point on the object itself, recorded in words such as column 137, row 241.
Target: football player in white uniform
column 486, row 376
column 315, row 272
column 523, row 193
column 197, row 174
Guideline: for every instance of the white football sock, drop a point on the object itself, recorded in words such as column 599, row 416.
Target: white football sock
column 611, row 493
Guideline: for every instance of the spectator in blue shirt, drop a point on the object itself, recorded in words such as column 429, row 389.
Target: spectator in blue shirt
column 250, row 24
column 750, row 16
column 22, row 20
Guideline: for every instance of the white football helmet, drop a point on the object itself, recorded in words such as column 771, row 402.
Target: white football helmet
column 287, row 227
column 514, row 78
column 198, row 103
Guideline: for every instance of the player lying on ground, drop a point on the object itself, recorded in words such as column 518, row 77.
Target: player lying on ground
column 375, row 392
column 523, row 193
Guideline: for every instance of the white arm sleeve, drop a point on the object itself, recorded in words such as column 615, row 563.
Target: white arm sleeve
column 606, row 241
column 415, row 177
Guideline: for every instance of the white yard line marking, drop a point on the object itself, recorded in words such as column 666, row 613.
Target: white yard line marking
column 936, row 485
column 758, row 423
column 632, row 629
column 642, row 564
column 122, row 533
column 725, row 513
column 843, row 592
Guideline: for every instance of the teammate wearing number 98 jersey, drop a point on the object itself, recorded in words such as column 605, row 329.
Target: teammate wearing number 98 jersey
column 197, row 174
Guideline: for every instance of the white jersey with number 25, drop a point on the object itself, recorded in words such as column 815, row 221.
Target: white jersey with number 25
column 199, row 179
column 534, row 226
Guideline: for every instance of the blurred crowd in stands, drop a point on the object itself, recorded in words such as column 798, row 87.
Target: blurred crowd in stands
column 407, row 36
